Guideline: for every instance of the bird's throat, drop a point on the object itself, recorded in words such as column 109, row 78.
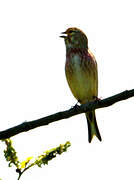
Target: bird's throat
column 73, row 51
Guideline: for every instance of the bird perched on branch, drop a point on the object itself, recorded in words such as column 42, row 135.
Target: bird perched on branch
column 81, row 73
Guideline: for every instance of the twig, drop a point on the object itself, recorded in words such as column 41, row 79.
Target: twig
column 26, row 126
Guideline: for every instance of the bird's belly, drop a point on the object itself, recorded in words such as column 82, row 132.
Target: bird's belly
column 81, row 82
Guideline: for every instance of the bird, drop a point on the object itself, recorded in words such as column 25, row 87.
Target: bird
column 82, row 74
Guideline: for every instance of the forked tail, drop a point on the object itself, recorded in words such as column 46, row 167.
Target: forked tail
column 92, row 126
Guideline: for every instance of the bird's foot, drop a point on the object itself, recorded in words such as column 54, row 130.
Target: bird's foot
column 97, row 99
column 76, row 106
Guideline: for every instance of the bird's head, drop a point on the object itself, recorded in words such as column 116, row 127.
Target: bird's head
column 75, row 38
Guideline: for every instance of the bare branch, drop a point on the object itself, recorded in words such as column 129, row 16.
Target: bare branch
column 26, row 126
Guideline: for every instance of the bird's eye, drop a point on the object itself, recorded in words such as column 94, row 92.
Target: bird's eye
column 71, row 31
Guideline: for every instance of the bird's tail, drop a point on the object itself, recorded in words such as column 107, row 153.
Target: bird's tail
column 92, row 126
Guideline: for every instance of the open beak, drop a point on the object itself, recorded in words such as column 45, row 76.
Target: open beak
column 64, row 35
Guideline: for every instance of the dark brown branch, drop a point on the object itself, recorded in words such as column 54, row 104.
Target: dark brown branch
column 26, row 126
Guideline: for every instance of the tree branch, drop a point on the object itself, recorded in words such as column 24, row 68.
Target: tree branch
column 26, row 126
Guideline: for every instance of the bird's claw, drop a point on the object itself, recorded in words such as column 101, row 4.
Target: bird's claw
column 76, row 106
column 97, row 99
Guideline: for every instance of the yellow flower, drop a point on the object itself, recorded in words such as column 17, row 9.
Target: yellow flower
column 24, row 163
